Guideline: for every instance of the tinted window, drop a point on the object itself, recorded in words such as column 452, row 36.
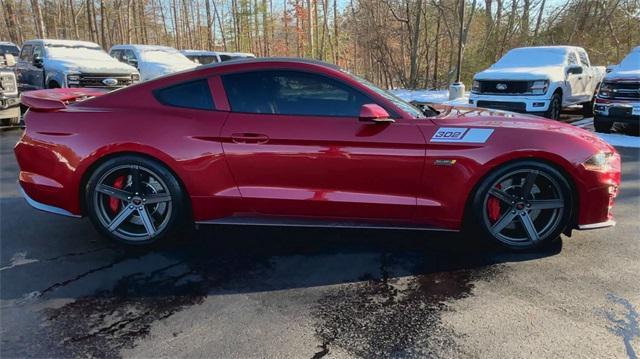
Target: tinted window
column 572, row 60
column 9, row 49
column 116, row 54
column 583, row 58
column 194, row 94
column 292, row 93
column 26, row 53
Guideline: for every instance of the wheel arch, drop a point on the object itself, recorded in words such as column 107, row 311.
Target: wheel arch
column 91, row 167
column 552, row 160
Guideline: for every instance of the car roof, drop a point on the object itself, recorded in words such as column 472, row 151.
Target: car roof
column 142, row 47
column 62, row 42
column 199, row 52
column 562, row 48
column 8, row 43
column 271, row 60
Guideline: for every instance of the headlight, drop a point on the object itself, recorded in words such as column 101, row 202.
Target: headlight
column 135, row 77
column 7, row 83
column 538, row 87
column 603, row 162
column 605, row 90
column 476, row 86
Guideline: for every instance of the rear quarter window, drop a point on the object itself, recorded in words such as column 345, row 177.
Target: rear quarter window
column 193, row 94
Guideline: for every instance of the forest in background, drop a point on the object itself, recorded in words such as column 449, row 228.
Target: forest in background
column 394, row 43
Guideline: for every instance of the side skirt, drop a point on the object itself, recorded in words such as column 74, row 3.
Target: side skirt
column 316, row 223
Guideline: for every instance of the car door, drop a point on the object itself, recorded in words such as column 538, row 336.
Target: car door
column 296, row 147
column 574, row 81
column 36, row 74
column 587, row 76
column 22, row 68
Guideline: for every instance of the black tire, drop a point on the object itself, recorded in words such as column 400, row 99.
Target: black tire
column 602, row 125
column 587, row 108
column 522, row 220
column 151, row 209
column 555, row 106
column 53, row 85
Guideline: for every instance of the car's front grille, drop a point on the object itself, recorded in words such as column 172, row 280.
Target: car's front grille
column 624, row 90
column 98, row 80
column 8, row 83
column 504, row 87
column 506, row 106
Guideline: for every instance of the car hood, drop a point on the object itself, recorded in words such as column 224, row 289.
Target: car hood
column 623, row 75
column 101, row 66
column 151, row 70
column 511, row 123
column 553, row 73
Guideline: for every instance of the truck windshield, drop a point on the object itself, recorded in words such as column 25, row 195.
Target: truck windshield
column 70, row 51
column 168, row 56
column 531, row 57
column 8, row 49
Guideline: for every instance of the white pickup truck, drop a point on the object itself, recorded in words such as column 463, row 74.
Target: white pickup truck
column 539, row 80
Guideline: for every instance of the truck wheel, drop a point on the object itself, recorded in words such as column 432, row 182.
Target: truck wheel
column 602, row 125
column 555, row 105
column 587, row 108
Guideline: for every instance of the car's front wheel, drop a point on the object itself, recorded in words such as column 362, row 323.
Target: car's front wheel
column 555, row 106
column 523, row 205
column 135, row 200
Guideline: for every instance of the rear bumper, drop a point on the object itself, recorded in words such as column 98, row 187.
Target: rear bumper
column 605, row 224
column 45, row 207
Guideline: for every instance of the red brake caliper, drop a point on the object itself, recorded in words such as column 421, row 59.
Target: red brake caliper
column 114, row 203
column 493, row 207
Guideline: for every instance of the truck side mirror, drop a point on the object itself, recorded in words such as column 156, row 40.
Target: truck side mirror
column 38, row 61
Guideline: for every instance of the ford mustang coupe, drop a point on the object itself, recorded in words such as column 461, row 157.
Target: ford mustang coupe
column 299, row 142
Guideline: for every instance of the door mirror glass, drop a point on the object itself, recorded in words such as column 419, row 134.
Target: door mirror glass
column 37, row 60
column 374, row 113
column 575, row 70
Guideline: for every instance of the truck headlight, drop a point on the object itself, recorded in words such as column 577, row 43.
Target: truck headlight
column 538, row 87
column 73, row 80
column 475, row 87
column 603, row 162
column 135, row 78
column 605, row 90
column 7, row 83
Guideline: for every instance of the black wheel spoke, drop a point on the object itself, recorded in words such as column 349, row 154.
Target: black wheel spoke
column 504, row 221
column 529, row 227
column 546, row 204
column 136, row 179
column 157, row 198
column 147, row 221
column 529, row 181
column 114, row 192
column 118, row 219
column 501, row 195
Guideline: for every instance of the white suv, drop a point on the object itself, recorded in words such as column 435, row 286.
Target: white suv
column 152, row 61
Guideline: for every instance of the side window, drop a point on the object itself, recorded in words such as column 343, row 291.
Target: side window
column 584, row 59
column 128, row 54
column 572, row 59
column 292, row 93
column 116, row 54
column 26, row 54
column 193, row 94
column 37, row 50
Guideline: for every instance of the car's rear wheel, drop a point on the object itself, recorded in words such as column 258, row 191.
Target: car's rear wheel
column 134, row 200
column 523, row 205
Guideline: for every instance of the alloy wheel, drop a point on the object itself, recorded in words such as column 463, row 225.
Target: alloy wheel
column 132, row 202
column 523, row 207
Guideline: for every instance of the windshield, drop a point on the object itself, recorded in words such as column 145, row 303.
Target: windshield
column 631, row 62
column 9, row 49
column 405, row 106
column 162, row 56
column 532, row 57
column 202, row 59
column 59, row 51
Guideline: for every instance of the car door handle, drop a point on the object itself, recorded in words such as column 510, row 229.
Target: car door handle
column 257, row 138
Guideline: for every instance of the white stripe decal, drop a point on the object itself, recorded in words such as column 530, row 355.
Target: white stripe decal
column 461, row 135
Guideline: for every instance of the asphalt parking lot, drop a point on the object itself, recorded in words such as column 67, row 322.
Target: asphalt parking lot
column 236, row 292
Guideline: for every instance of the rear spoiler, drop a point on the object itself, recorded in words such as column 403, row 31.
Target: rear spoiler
column 57, row 99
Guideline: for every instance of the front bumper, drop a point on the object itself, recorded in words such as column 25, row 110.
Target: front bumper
column 8, row 102
column 617, row 111
column 523, row 104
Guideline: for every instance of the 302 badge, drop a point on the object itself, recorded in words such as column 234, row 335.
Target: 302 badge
column 461, row 135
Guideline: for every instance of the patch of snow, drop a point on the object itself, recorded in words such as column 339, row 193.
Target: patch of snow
column 628, row 68
column 430, row 96
column 533, row 57
column 77, row 51
column 18, row 259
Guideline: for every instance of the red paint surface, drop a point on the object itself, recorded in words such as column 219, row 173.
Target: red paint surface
column 328, row 167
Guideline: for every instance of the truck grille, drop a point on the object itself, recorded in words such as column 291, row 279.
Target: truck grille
column 624, row 90
column 504, row 87
column 505, row 106
column 96, row 80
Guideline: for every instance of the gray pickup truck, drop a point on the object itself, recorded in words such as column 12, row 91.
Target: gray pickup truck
column 9, row 97
column 65, row 63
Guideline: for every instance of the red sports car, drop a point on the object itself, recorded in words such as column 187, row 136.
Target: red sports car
column 299, row 142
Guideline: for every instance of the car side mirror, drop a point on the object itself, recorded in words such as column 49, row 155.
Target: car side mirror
column 575, row 70
column 374, row 113
column 38, row 61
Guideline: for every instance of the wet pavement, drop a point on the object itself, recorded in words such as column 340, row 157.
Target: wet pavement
column 245, row 292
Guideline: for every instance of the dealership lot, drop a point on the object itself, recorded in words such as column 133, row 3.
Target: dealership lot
column 281, row 292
